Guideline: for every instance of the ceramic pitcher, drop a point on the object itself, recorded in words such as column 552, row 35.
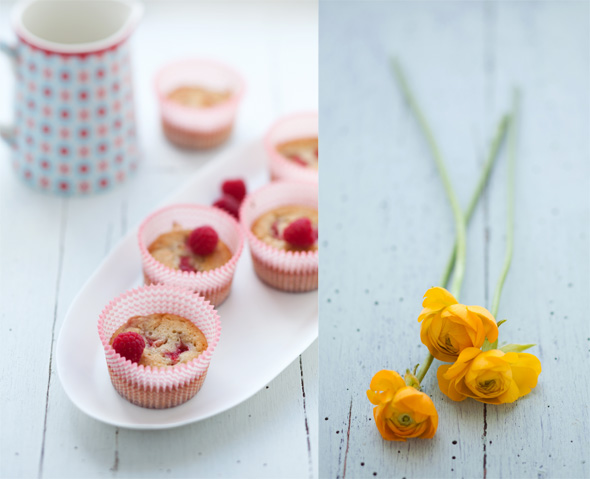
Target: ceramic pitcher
column 74, row 126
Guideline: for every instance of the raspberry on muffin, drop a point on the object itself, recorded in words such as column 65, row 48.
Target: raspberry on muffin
column 281, row 223
column 129, row 345
column 290, row 227
column 190, row 250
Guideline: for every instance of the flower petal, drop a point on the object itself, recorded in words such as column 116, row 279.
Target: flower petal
column 416, row 401
column 488, row 321
column 525, row 372
column 384, row 385
column 461, row 363
column 446, row 385
column 385, row 380
column 511, row 395
column 437, row 298
column 381, row 423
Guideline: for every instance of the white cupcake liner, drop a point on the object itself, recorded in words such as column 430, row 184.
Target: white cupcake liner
column 292, row 127
column 161, row 387
column 285, row 270
column 214, row 284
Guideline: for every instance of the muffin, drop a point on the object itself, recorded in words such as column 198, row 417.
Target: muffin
column 198, row 97
column 172, row 333
column 198, row 102
column 172, row 249
column 168, row 339
column 292, row 148
column 193, row 247
column 281, row 224
column 270, row 227
column 302, row 152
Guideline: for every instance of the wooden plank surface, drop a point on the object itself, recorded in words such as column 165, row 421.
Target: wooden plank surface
column 51, row 246
column 387, row 227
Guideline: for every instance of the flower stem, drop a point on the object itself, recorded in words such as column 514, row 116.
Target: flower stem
column 510, row 203
column 457, row 212
column 424, row 367
column 481, row 183
column 457, row 258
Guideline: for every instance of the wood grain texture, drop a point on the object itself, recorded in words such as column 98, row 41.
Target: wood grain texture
column 51, row 246
column 387, row 226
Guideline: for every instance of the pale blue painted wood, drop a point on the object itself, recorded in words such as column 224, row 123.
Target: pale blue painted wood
column 387, row 227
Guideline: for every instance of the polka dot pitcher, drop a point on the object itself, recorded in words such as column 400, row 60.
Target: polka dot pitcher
column 74, row 129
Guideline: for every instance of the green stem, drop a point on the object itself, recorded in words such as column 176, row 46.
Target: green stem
column 458, row 253
column 457, row 212
column 510, row 204
column 424, row 367
column 481, row 183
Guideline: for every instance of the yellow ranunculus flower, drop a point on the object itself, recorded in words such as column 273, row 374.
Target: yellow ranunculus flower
column 493, row 377
column 401, row 411
column 449, row 327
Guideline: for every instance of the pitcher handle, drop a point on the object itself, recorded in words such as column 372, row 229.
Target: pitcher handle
column 7, row 132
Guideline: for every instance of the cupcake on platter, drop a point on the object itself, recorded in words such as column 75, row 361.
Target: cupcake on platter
column 281, row 224
column 292, row 147
column 193, row 247
column 158, row 342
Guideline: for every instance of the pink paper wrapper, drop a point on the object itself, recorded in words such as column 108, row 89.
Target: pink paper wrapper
column 294, row 271
column 198, row 127
column 158, row 388
column 292, row 127
column 215, row 284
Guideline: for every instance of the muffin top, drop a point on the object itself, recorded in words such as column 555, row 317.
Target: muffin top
column 303, row 151
column 172, row 249
column 290, row 228
column 198, row 97
column 169, row 339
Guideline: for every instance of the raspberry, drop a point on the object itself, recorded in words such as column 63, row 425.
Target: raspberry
column 274, row 228
column 235, row 188
column 297, row 159
column 130, row 345
column 174, row 356
column 228, row 204
column 185, row 264
column 300, row 233
column 203, row 240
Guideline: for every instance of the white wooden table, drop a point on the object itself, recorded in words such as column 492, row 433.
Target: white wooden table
column 50, row 246
column 387, row 227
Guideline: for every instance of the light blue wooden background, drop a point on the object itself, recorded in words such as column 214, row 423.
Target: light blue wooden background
column 387, row 227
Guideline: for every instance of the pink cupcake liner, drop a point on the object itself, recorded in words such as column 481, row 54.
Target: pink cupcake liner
column 198, row 127
column 294, row 271
column 191, row 139
column 215, row 284
column 152, row 387
column 292, row 127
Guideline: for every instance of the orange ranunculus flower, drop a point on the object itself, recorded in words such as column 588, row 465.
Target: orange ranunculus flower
column 493, row 377
column 449, row 327
column 401, row 411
